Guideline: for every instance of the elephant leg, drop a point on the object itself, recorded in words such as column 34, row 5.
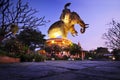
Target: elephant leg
column 64, row 33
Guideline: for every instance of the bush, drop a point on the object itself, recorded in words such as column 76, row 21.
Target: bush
column 39, row 57
column 2, row 52
column 14, row 46
column 27, row 57
column 30, row 57
column 65, row 57
column 24, row 57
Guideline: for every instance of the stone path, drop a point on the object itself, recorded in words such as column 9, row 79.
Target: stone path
column 61, row 70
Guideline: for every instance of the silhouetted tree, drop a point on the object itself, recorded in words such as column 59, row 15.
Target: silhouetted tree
column 112, row 36
column 31, row 38
column 14, row 13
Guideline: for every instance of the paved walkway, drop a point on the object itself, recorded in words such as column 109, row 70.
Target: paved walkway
column 61, row 70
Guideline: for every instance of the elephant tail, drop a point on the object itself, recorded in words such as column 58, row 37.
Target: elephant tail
column 66, row 5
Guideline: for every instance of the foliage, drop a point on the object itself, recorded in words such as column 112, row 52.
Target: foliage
column 17, row 13
column 48, row 49
column 14, row 46
column 89, row 54
column 31, row 57
column 18, row 16
column 2, row 52
column 65, row 57
column 39, row 57
column 26, row 57
column 112, row 36
column 32, row 38
column 54, row 48
column 75, row 49
column 116, row 53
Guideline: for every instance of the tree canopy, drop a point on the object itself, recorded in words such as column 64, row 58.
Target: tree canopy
column 75, row 49
column 31, row 37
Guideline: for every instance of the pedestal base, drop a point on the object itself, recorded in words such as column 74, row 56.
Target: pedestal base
column 58, row 41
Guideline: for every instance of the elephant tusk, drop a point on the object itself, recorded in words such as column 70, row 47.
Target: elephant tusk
column 87, row 25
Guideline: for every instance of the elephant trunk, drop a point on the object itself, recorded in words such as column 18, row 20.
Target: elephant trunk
column 82, row 30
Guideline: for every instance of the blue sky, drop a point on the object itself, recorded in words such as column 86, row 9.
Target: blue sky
column 97, row 13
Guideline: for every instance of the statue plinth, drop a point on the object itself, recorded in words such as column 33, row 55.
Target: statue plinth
column 58, row 41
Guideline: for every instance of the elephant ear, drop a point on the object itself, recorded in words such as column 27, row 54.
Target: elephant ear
column 14, row 29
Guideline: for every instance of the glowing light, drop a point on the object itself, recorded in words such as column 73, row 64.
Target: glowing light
column 53, row 41
column 56, row 34
column 113, row 58
column 63, row 42
column 59, row 41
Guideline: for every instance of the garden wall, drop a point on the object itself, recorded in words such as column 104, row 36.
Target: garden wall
column 6, row 59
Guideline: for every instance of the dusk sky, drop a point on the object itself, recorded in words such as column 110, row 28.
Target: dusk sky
column 97, row 13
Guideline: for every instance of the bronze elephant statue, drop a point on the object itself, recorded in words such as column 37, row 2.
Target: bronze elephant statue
column 66, row 24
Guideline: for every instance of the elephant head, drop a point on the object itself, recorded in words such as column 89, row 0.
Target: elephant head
column 75, row 19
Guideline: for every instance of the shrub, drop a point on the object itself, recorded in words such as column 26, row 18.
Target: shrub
column 2, row 52
column 39, row 57
column 65, row 57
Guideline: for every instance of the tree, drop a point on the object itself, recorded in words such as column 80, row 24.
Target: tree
column 75, row 49
column 53, row 48
column 112, row 36
column 31, row 38
column 14, row 46
column 13, row 14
